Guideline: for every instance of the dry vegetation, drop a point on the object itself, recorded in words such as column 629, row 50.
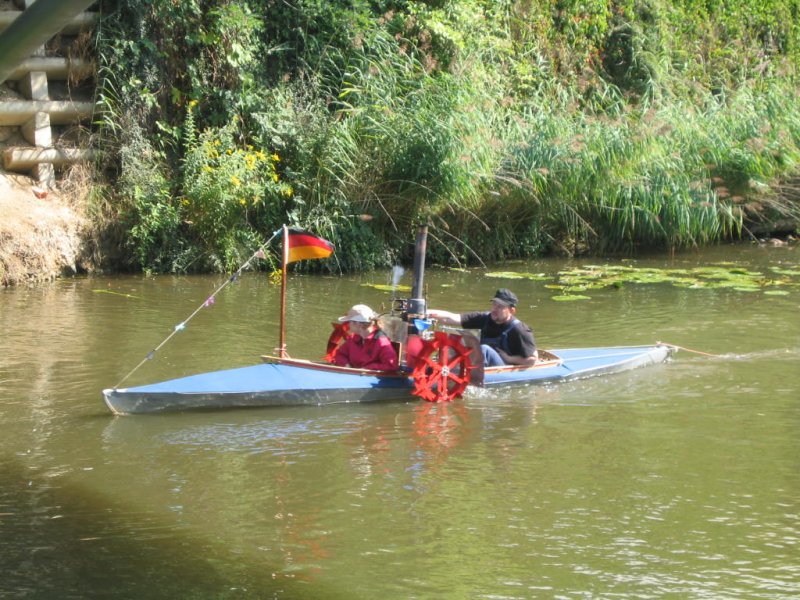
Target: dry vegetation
column 40, row 238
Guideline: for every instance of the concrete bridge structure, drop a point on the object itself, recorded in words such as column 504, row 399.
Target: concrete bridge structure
column 40, row 99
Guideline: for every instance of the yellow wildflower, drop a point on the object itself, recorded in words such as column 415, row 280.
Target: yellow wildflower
column 207, row 169
column 276, row 158
column 236, row 181
column 275, row 177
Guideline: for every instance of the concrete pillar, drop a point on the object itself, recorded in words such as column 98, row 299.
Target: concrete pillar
column 18, row 112
column 37, row 131
column 25, row 159
column 34, row 85
column 45, row 175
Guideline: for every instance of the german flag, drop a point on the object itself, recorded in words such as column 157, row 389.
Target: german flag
column 302, row 246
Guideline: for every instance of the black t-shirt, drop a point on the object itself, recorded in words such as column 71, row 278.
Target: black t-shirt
column 520, row 340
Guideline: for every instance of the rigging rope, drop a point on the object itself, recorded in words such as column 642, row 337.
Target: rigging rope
column 688, row 350
column 206, row 303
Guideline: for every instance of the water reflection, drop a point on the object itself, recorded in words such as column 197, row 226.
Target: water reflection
column 440, row 427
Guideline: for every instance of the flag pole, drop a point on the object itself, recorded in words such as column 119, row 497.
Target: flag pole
column 285, row 261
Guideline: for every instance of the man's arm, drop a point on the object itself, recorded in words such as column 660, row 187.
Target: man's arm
column 510, row 359
column 446, row 318
column 521, row 338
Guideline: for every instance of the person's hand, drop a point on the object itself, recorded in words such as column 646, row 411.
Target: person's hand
column 445, row 317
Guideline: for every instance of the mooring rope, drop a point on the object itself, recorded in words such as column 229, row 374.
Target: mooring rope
column 206, row 303
column 688, row 349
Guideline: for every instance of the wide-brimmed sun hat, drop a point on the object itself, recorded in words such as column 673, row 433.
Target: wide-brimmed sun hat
column 505, row 297
column 360, row 313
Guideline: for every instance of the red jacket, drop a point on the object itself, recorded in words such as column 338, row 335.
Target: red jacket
column 373, row 352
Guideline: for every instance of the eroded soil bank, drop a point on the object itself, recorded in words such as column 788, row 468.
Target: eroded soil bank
column 41, row 236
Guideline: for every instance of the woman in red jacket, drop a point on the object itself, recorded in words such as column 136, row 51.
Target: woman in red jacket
column 368, row 347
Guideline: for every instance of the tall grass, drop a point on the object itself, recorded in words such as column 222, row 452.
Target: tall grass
column 676, row 176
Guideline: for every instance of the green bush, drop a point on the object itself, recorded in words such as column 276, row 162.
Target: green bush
column 230, row 193
column 512, row 127
column 148, row 210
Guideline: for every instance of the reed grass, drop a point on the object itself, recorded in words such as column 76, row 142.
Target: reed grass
column 676, row 176
column 509, row 183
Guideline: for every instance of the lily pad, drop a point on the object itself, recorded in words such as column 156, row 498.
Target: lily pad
column 690, row 284
column 720, row 275
column 570, row 297
column 388, row 288
column 789, row 272
column 516, row 275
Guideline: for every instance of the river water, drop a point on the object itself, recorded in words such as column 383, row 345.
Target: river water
column 680, row 480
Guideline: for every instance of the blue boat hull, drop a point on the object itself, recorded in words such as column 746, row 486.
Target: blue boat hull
column 294, row 382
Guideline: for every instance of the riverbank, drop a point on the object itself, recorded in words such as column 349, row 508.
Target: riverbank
column 600, row 130
column 42, row 234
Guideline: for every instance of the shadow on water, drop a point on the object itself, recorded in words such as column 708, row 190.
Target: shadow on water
column 66, row 541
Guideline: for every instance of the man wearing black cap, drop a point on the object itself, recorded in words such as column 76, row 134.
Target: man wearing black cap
column 505, row 340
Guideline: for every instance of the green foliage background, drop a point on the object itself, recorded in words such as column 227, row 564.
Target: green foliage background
column 514, row 128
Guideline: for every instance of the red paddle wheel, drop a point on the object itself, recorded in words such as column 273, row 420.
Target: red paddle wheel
column 442, row 368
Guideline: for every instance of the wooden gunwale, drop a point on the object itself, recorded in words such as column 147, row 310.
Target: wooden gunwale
column 321, row 366
column 551, row 360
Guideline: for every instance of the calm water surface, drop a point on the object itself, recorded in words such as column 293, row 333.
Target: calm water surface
column 676, row 481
